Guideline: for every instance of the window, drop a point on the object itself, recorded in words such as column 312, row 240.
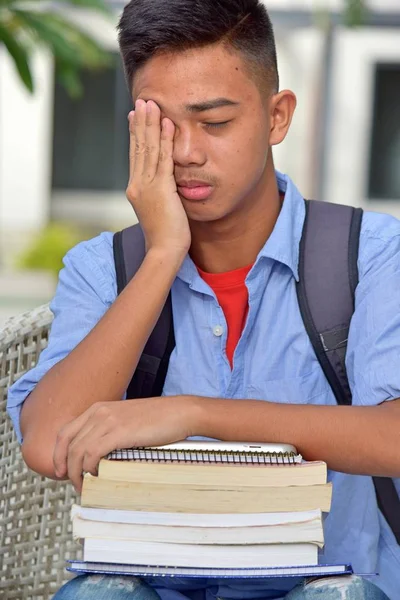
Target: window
column 90, row 135
column 384, row 172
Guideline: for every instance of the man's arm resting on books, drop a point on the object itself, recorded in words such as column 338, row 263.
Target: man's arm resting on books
column 107, row 426
column 361, row 440
column 357, row 440
column 100, row 367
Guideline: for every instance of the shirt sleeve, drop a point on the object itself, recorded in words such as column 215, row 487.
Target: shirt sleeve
column 86, row 289
column 373, row 355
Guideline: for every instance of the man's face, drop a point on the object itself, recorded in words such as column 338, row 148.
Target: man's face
column 224, row 144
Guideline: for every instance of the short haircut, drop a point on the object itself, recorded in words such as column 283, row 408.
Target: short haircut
column 148, row 28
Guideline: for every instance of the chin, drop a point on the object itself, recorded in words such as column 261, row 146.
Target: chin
column 205, row 214
column 206, row 211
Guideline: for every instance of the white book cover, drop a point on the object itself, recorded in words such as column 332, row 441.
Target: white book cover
column 207, row 556
column 194, row 520
column 279, row 530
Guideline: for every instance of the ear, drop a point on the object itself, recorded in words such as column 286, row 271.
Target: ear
column 282, row 107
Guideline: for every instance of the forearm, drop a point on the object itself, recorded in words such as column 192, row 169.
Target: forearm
column 100, row 367
column 357, row 440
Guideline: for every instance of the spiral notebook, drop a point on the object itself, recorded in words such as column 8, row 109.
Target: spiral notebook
column 76, row 566
column 212, row 453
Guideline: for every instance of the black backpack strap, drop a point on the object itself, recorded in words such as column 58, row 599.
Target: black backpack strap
column 328, row 277
column 389, row 503
column 149, row 377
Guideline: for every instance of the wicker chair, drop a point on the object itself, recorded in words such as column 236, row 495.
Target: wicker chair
column 35, row 532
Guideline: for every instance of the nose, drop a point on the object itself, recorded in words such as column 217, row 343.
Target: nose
column 188, row 150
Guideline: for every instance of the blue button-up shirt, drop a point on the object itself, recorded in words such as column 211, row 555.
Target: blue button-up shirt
column 274, row 360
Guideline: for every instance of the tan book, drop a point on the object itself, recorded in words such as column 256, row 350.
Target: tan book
column 305, row 473
column 98, row 492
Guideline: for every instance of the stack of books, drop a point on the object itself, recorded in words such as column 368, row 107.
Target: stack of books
column 200, row 505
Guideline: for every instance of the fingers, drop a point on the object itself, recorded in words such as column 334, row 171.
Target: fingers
column 64, row 438
column 152, row 137
column 166, row 161
column 83, row 442
column 145, row 139
column 139, row 138
column 83, row 452
column 132, row 150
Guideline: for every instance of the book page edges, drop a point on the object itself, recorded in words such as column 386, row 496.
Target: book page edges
column 306, row 473
column 100, row 493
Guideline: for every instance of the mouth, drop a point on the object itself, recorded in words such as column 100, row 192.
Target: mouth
column 195, row 190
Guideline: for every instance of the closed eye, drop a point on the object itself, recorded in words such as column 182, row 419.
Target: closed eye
column 216, row 125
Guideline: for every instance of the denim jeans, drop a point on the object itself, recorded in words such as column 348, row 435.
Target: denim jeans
column 337, row 588
column 108, row 587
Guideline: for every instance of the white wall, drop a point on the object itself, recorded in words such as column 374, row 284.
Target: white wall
column 26, row 141
column 25, row 151
column 299, row 63
column 356, row 53
column 25, row 125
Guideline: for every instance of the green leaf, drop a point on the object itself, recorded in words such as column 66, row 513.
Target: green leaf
column 355, row 13
column 65, row 40
column 68, row 76
column 19, row 55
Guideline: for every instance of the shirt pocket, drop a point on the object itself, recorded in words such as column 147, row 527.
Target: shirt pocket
column 311, row 388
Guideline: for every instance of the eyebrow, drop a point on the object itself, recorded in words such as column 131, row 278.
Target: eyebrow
column 209, row 105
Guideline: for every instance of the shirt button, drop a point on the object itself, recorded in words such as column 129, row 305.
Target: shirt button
column 218, row 330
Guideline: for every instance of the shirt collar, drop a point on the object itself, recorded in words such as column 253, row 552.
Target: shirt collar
column 283, row 245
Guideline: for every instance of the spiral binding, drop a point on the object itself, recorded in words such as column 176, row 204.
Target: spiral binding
column 204, row 456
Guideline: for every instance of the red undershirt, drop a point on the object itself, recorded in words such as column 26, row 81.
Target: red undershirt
column 233, row 297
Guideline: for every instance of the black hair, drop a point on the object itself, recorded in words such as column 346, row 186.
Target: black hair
column 151, row 27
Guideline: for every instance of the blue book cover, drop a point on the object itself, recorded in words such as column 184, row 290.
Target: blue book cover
column 76, row 566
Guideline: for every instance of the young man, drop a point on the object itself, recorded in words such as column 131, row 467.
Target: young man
column 222, row 231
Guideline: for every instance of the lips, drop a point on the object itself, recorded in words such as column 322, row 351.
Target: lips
column 194, row 190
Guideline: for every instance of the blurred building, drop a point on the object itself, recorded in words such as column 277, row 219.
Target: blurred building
column 68, row 160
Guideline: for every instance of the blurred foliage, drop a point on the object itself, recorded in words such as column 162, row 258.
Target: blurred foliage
column 355, row 13
column 25, row 25
column 49, row 247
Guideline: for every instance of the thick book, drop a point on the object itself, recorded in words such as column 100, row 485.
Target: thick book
column 231, row 474
column 181, row 528
column 205, row 556
column 191, row 498
column 144, row 571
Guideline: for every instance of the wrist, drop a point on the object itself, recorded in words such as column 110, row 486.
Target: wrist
column 197, row 411
column 167, row 257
